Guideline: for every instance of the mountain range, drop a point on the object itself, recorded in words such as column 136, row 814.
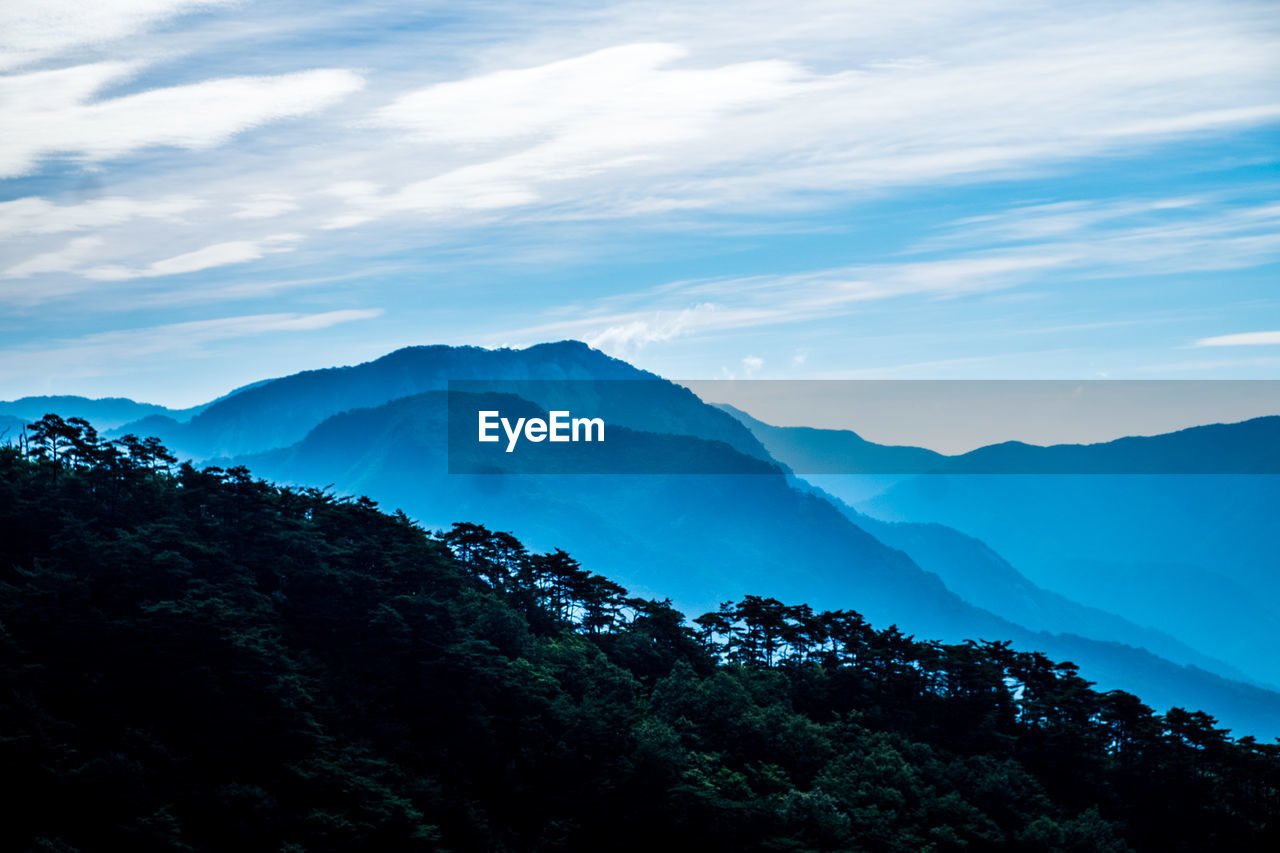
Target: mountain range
column 1191, row 553
column 381, row 429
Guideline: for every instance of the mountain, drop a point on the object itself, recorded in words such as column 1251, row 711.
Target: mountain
column 199, row 661
column 369, row 429
column 280, row 412
column 808, row 450
column 1170, row 539
column 10, row 426
column 1191, row 555
column 105, row 413
column 982, row 577
column 703, row 538
column 1250, row 447
column 698, row 537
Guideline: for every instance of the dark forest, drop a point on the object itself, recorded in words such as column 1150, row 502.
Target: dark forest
column 200, row 660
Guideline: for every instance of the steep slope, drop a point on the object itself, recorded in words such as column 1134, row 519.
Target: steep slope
column 1213, row 528
column 735, row 530
column 982, row 577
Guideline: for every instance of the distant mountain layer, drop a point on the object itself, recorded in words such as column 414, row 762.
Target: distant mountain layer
column 1194, row 556
column 979, row 575
column 105, row 413
column 1248, row 447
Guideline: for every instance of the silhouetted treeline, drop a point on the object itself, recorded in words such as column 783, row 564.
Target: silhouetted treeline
column 195, row 659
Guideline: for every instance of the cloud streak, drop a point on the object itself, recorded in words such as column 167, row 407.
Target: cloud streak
column 1242, row 339
column 31, row 32
column 218, row 255
column 1183, row 235
column 58, row 115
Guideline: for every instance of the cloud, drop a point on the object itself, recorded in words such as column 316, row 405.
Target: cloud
column 566, row 121
column 565, row 115
column 752, row 364
column 69, row 257
column 751, row 122
column 721, row 305
column 30, row 32
column 621, row 98
column 1242, row 339
column 33, row 215
column 266, row 206
column 220, row 254
column 1163, row 235
column 57, row 115
column 631, row 332
column 607, row 125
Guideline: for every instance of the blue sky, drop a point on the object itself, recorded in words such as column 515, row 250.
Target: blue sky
column 196, row 195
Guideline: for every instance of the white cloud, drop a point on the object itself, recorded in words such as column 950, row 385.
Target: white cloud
column 566, row 121
column 619, row 98
column 1242, row 339
column 68, row 258
column 736, row 118
column 630, row 332
column 57, row 116
column 33, row 215
column 266, row 206
column 742, row 104
column 664, row 113
column 220, row 254
column 752, row 364
column 30, row 32
column 749, row 109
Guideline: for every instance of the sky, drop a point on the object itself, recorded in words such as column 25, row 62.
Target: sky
column 198, row 195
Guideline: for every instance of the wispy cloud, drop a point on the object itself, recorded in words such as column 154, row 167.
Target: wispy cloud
column 1182, row 236
column 32, row 32
column 32, row 215
column 742, row 111
column 1242, row 339
column 266, row 206
column 58, row 115
column 218, row 255
column 68, row 258
column 726, row 304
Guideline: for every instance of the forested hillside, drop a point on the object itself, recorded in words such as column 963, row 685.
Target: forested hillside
column 379, row 429
column 195, row 659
